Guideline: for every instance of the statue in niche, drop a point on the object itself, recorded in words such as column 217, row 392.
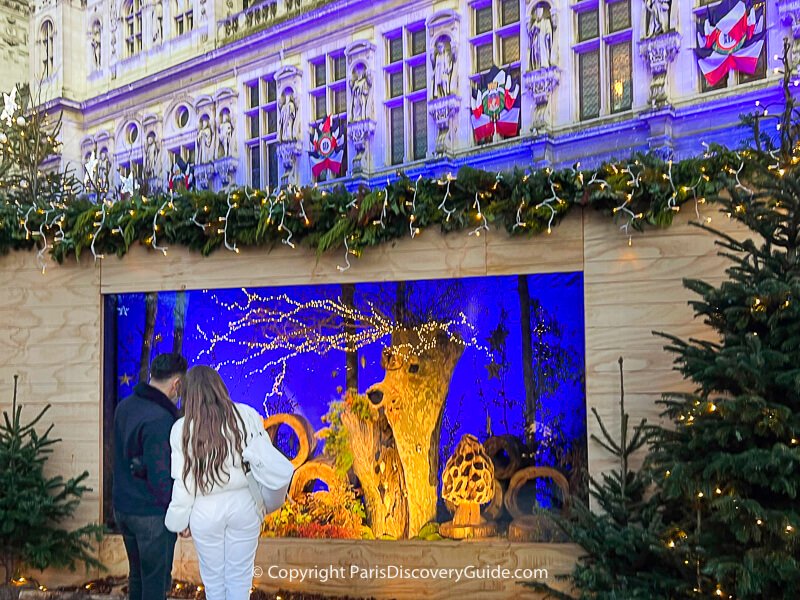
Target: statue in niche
column 287, row 116
column 360, row 89
column 540, row 36
column 96, row 44
column 104, row 171
column 656, row 15
column 205, row 141
column 442, row 67
column 225, row 131
column 158, row 22
column 151, row 154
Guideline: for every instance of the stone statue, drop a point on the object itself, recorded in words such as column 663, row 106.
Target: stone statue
column 158, row 22
column 656, row 16
column 360, row 89
column 225, row 131
column 151, row 153
column 286, row 117
column 442, row 68
column 113, row 24
column 540, row 35
column 96, row 44
column 103, row 171
column 205, row 141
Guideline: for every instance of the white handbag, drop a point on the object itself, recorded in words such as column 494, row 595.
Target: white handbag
column 270, row 472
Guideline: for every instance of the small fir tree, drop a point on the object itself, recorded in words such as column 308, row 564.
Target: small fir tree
column 624, row 557
column 34, row 505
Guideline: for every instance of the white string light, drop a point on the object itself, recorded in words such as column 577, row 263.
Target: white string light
column 548, row 201
column 96, row 232
column 155, row 229
column 381, row 221
column 226, row 218
column 43, row 249
column 443, row 205
column 633, row 183
column 484, row 226
column 413, row 229
column 520, row 208
column 672, row 203
column 346, row 257
column 282, row 226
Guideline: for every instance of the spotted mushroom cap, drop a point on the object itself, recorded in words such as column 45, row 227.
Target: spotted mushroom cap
column 469, row 474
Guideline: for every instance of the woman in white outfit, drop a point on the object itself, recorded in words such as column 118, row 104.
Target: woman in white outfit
column 210, row 495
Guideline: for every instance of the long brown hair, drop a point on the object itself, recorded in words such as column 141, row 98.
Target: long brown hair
column 211, row 425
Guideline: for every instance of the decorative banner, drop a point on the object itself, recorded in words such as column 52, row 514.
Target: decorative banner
column 730, row 39
column 182, row 176
column 496, row 105
column 327, row 147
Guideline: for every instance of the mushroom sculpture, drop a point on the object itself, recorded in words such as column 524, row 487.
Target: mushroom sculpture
column 468, row 482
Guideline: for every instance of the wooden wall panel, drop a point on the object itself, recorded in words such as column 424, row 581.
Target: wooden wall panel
column 50, row 333
column 629, row 292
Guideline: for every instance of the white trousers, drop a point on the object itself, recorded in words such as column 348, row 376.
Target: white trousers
column 225, row 528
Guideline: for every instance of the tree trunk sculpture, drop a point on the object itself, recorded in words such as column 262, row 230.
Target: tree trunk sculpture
column 377, row 465
column 412, row 397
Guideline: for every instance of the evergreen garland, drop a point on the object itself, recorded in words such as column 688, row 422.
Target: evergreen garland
column 52, row 211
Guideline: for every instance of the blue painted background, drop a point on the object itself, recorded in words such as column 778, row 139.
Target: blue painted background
column 478, row 400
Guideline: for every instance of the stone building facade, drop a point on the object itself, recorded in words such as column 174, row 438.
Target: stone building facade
column 234, row 88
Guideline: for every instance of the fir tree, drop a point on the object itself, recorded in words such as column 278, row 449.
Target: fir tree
column 624, row 554
column 30, row 173
column 34, row 505
column 728, row 466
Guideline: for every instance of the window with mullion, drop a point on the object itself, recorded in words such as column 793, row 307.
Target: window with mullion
column 589, row 78
column 133, row 27
column 496, row 35
column 604, row 56
column 48, row 47
column 406, row 79
column 261, row 123
column 620, row 67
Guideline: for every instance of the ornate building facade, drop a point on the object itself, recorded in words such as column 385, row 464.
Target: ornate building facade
column 235, row 88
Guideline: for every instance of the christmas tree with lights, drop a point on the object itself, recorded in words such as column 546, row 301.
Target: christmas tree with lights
column 34, row 188
column 728, row 466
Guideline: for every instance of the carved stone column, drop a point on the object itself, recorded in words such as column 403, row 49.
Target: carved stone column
column 288, row 80
column 443, row 42
column 361, row 122
column 658, row 52
column 541, row 84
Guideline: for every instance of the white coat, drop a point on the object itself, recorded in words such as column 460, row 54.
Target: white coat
column 225, row 523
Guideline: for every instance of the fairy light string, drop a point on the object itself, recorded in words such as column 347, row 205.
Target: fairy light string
column 153, row 239
column 412, row 217
column 443, row 205
column 484, row 224
column 291, row 328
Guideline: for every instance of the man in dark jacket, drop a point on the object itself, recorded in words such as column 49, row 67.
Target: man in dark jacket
column 142, row 484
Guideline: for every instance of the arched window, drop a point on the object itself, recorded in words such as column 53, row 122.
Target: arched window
column 184, row 17
column 133, row 27
column 48, row 47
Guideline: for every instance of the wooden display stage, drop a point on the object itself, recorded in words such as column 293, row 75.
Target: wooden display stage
column 349, row 557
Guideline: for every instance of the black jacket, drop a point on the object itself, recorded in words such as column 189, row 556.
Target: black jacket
column 142, row 482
